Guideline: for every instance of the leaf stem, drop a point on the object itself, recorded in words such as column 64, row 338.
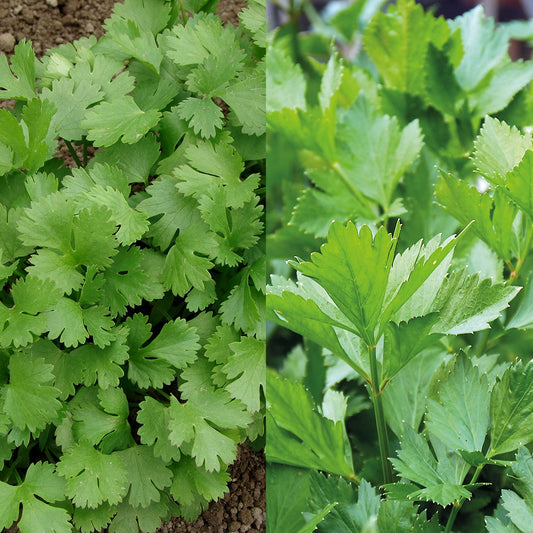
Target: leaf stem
column 483, row 337
column 458, row 504
column 513, row 277
column 84, row 151
column 183, row 12
column 73, row 153
column 353, row 189
column 377, row 401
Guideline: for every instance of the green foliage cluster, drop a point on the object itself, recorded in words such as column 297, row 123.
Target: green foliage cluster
column 405, row 403
column 132, row 286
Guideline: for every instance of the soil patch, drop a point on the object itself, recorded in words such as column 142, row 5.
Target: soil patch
column 48, row 23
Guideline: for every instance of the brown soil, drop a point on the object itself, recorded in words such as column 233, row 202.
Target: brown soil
column 241, row 510
column 49, row 23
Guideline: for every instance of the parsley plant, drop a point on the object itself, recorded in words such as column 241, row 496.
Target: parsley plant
column 406, row 401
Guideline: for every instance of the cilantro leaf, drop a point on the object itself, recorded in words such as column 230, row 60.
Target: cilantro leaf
column 246, row 98
column 184, row 267
column 125, row 39
column 129, row 518
column 136, row 161
column 29, row 398
column 102, row 364
column 253, row 19
column 235, row 229
column 147, row 475
column 71, row 101
column 246, row 364
column 244, row 307
column 127, row 282
column 204, row 36
column 19, row 81
column 31, row 299
column 173, row 210
column 89, row 520
column 212, row 166
column 121, row 119
column 67, row 240
column 150, row 15
column 203, row 115
column 197, row 420
column 101, row 419
column 151, row 365
column 154, row 419
column 41, row 485
column 194, row 486
column 93, row 477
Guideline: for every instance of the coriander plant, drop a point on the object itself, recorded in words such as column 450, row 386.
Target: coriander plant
column 401, row 180
column 132, row 286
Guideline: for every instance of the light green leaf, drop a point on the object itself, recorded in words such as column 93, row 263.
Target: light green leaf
column 89, row 520
column 468, row 303
column 494, row 215
column 484, row 45
column 71, row 101
column 194, row 486
column 379, row 151
column 405, row 341
column 441, row 479
column 506, row 81
column 519, row 185
column 397, row 42
column 299, row 435
column 498, row 149
column 288, row 493
column 511, row 409
column 306, row 308
column 405, row 395
column 285, row 82
column 458, row 415
column 353, row 267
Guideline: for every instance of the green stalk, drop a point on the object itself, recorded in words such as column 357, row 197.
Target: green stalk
column 84, row 152
column 515, row 273
column 457, row 505
column 73, row 153
column 383, row 438
column 183, row 12
column 349, row 184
